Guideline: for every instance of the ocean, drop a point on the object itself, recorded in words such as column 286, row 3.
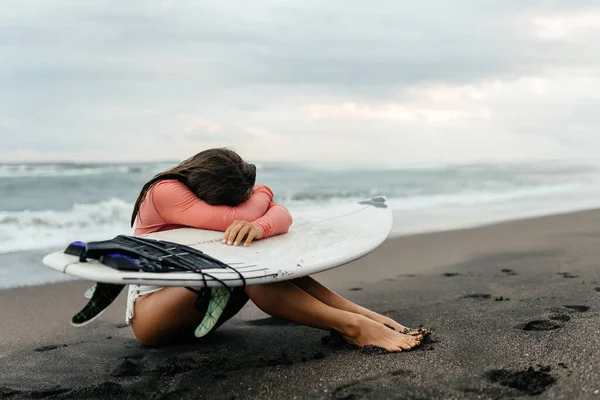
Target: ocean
column 44, row 206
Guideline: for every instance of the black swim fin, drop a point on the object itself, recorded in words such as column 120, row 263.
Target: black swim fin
column 103, row 296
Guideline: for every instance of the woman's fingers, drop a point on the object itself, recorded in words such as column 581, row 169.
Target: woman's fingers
column 232, row 231
column 250, row 238
column 226, row 234
column 241, row 234
column 238, row 230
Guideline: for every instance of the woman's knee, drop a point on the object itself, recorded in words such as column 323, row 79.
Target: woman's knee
column 145, row 334
column 146, row 326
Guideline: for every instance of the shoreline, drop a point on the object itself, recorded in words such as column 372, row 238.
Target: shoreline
column 458, row 223
column 514, row 308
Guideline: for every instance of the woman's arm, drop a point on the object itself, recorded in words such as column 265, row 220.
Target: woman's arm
column 277, row 220
column 178, row 205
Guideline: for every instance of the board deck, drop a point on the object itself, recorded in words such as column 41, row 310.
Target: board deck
column 317, row 241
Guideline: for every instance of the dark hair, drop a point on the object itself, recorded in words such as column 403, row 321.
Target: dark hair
column 216, row 176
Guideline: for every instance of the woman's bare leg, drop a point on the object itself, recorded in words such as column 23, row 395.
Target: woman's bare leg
column 287, row 301
column 169, row 315
column 160, row 316
column 325, row 295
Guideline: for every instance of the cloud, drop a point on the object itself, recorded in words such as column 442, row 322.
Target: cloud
column 299, row 80
column 393, row 112
column 566, row 25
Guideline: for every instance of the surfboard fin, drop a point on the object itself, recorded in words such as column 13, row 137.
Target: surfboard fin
column 216, row 305
column 90, row 292
column 103, row 296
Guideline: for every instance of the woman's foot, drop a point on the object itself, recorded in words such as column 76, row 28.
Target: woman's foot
column 390, row 323
column 364, row 331
column 324, row 295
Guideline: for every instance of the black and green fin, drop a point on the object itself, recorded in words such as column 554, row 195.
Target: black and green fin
column 103, row 296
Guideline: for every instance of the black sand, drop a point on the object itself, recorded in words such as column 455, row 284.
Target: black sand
column 514, row 310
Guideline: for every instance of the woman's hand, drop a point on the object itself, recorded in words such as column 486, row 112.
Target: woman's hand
column 239, row 230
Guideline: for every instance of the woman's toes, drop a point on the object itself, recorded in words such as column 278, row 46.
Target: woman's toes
column 412, row 339
column 413, row 342
column 407, row 344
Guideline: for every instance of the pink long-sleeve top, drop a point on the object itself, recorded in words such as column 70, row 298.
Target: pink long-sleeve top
column 170, row 204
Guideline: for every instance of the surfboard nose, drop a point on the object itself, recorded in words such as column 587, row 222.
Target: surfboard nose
column 378, row 201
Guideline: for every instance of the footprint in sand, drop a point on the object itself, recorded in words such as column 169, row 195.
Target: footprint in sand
column 50, row 347
column 395, row 384
column 485, row 296
column 478, row 296
column 566, row 275
column 541, row 325
column 560, row 313
column 577, row 308
column 530, row 382
column 560, row 317
column 509, row 272
column 450, row 274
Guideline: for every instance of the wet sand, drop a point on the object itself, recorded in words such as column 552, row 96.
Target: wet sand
column 514, row 309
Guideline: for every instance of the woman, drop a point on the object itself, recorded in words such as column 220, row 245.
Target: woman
column 216, row 190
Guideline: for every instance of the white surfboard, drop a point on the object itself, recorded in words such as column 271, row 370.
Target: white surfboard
column 317, row 241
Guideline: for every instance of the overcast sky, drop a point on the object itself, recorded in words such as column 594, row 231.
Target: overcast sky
column 400, row 82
